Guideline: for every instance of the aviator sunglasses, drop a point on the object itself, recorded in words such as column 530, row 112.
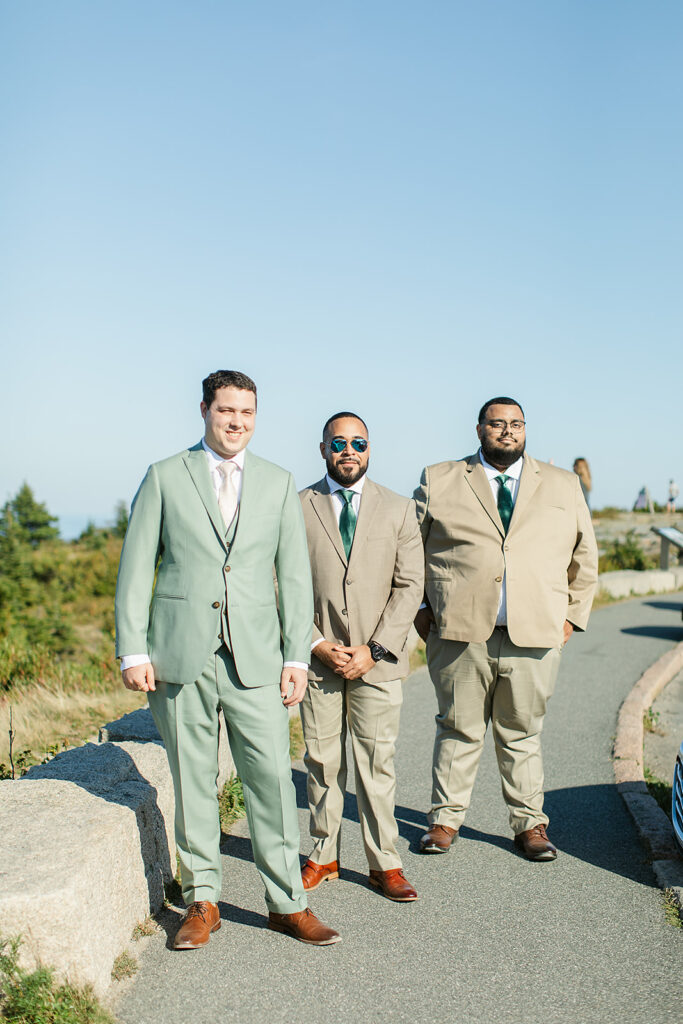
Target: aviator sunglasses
column 338, row 444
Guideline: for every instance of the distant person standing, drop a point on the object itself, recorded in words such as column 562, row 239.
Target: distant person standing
column 582, row 470
column 673, row 494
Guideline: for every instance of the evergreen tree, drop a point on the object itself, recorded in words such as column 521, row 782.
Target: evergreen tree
column 32, row 518
column 121, row 520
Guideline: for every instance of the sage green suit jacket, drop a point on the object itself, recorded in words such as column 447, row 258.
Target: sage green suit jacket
column 176, row 533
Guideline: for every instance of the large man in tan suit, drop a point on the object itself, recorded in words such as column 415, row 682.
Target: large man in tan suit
column 368, row 577
column 511, row 568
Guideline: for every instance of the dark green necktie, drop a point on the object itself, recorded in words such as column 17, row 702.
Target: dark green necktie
column 347, row 521
column 505, row 505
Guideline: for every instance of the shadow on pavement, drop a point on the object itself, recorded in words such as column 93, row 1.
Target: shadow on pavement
column 592, row 824
column 668, row 606
column 674, row 633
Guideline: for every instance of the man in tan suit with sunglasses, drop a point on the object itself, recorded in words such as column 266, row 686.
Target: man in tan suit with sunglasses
column 511, row 568
column 368, row 576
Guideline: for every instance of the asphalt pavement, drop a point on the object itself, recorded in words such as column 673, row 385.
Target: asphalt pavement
column 493, row 938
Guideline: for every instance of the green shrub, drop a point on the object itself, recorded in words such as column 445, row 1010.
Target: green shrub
column 625, row 554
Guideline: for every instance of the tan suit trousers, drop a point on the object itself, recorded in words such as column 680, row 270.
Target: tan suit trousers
column 371, row 711
column 509, row 686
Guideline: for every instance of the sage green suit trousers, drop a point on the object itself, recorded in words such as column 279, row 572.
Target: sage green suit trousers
column 187, row 718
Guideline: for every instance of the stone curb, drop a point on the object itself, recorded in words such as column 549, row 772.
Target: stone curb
column 652, row 824
column 636, row 582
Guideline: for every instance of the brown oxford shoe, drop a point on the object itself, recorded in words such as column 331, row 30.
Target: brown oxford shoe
column 201, row 919
column 394, row 885
column 313, row 874
column 535, row 845
column 438, row 839
column 305, row 927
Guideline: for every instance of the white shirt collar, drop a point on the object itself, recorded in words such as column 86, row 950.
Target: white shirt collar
column 215, row 459
column 514, row 471
column 334, row 486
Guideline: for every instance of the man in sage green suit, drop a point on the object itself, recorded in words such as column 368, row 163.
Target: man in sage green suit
column 199, row 628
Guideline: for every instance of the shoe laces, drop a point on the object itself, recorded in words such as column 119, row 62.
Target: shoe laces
column 197, row 910
column 540, row 831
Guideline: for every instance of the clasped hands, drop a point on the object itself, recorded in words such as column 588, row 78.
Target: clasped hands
column 347, row 662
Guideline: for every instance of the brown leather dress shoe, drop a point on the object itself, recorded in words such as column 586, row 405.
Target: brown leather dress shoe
column 201, row 919
column 535, row 845
column 438, row 839
column 305, row 927
column 313, row 874
column 394, row 885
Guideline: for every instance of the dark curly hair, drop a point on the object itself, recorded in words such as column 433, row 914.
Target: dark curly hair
column 226, row 379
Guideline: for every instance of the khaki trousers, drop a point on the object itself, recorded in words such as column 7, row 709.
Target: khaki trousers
column 510, row 687
column 372, row 712
column 258, row 730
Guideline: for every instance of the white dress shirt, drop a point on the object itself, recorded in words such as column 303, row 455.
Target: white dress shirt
column 214, row 461
column 513, row 473
column 338, row 503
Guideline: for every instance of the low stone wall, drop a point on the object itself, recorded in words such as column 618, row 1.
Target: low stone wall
column 630, row 582
column 87, row 847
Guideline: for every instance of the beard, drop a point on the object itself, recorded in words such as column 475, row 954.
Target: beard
column 346, row 475
column 502, row 455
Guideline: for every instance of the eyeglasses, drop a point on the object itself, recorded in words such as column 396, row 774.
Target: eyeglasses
column 515, row 426
column 338, row 444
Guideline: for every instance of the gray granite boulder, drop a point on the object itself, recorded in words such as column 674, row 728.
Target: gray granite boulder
column 86, row 849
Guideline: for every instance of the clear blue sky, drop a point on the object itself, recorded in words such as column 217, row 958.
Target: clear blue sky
column 401, row 208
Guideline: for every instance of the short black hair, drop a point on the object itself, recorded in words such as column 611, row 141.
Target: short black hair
column 225, row 379
column 345, row 415
column 501, row 400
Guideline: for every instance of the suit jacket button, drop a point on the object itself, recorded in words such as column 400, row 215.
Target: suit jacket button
column 216, row 604
column 499, row 579
column 227, row 568
column 344, row 611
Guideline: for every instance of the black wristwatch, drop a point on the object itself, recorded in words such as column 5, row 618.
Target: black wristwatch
column 377, row 651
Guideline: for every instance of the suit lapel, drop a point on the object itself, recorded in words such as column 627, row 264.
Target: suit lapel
column 322, row 506
column 528, row 482
column 478, row 481
column 198, row 468
column 369, row 504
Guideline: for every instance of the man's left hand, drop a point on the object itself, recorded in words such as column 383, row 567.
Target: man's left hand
column 360, row 663
column 567, row 630
column 297, row 680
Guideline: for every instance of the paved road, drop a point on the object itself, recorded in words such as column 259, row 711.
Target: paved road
column 493, row 938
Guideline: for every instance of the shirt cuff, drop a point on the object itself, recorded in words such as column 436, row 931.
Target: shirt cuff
column 316, row 642
column 296, row 664
column 131, row 660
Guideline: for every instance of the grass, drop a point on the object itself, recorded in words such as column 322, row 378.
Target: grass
column 661, row 791
column 60, row 714
column 231, row 803
column 651, row 721
column 296, row 738
column 125, row 966
column 145, row 928
column 34, row 997
column 418, row 656
column 672, row 909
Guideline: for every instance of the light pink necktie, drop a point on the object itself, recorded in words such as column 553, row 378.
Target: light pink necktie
column 227, row 495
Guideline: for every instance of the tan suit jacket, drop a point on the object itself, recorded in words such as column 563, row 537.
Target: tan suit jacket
column 376, row 594
column 549, row 556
